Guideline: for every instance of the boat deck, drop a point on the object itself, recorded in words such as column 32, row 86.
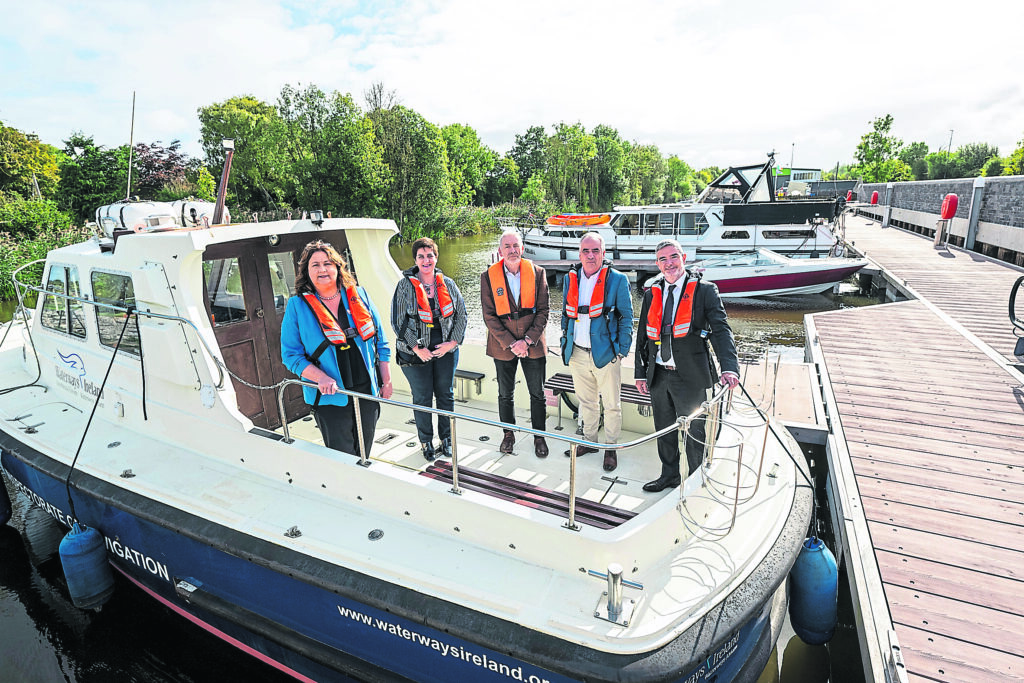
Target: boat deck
column 927, row 410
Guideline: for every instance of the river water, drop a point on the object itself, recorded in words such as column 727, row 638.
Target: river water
column 44, row 638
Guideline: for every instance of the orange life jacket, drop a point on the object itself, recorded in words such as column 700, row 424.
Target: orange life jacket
column 572, row 295
column 684, row 311
column 444, row 299
column 329, row 325
column 527, row 288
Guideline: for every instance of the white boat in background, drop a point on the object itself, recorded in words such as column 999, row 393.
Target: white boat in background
column 763, row 272
column 739, row 210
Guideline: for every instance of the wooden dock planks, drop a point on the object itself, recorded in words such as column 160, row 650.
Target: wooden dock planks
column 935, row 432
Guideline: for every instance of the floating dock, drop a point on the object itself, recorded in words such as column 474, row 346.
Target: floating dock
column 925, row 404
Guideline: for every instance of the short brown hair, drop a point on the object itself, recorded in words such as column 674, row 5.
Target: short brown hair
column 424, row 242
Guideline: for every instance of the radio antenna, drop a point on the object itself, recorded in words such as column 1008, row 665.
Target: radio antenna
column 131, row 145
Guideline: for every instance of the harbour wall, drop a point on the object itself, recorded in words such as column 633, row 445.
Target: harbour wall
column 989, row 217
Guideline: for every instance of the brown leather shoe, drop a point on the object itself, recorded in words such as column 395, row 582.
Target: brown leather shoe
column 540, row 446
column 582, row 450
column 610, row 461
column 508, row 442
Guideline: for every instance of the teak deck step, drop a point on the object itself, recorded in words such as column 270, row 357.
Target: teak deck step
column 588, row 512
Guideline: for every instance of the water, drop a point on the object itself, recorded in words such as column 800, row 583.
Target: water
column 45, row 638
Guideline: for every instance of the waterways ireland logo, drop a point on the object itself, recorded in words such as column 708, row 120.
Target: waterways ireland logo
column 74, row 363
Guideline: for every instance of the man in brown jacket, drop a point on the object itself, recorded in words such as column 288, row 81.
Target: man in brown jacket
column 514, row 298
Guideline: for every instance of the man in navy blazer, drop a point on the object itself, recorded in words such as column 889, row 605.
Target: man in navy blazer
column 597, row 331
column 679, row 313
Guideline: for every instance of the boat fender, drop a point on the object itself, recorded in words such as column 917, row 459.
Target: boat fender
column 84, row 558
column 814, row 591
column 5, row 504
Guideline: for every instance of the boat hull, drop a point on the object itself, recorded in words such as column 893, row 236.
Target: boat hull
column 311, row 619
column 779, row 283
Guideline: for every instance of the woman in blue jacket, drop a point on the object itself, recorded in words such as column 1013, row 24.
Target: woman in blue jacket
column 332, row 335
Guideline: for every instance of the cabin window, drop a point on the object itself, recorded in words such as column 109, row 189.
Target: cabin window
column 666, row 223
column 282, row 277
column 688, row 224
column 115, row 290
column 786, row 234
column 735, row 235
column 626, row 224
column 64, row 315
column 224, row 287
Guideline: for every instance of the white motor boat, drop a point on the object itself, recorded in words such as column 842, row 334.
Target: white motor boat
column 738, row 211
column 143, row 396
column 763, row 272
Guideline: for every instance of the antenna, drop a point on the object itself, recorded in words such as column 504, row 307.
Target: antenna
column 131, row 146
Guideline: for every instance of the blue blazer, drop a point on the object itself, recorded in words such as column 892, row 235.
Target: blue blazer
column 610, row 335
column 301, row 335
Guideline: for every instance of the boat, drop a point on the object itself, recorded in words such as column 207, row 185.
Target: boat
column 143, row 397
column 763, row 272
column 738, row 211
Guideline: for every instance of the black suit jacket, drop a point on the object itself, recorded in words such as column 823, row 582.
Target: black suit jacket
column 689, row 353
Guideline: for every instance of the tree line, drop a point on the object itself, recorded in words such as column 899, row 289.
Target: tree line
column 881, row 157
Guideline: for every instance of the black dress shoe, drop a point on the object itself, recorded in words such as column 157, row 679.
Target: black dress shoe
column 508, row 442
column 428, row 451
column 610, row 461
column 660, row 484
column 582, row 450
column 540, row 446
column 446, row 448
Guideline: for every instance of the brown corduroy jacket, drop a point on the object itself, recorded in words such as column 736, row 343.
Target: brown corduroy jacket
column 503, row 332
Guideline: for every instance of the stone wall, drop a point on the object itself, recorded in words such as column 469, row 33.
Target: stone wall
column 999, row 227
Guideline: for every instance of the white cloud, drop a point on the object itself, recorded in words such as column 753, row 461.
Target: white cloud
column 713, row 81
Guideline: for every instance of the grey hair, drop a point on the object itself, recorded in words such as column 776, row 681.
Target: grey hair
column 596, row 235
column 519, row 238
column 669, row 243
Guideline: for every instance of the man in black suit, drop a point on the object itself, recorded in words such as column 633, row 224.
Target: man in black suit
column 672, row 363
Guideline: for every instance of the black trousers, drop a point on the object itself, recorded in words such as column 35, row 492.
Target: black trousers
column 432, row 382
column 672, row 397
column 534, row 369
column 338, row 425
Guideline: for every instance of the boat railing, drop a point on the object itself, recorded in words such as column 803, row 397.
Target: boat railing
column 711, row 410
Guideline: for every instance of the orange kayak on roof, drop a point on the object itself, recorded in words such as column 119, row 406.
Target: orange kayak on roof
column 579, row 219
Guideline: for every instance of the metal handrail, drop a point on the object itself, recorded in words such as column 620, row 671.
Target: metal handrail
column 123, row 309
column 681, row 423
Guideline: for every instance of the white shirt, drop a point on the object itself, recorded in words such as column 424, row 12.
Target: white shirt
column 582, row 330
column 676, row 288
column 514, row 284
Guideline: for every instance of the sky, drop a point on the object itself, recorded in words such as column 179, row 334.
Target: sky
column 715, row 82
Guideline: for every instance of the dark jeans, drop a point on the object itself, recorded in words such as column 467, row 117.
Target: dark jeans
column 671, row 398
column 534, row 369
column 338, row 425
column 430, row 381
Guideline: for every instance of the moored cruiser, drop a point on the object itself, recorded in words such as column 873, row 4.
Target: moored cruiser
column 738, row 211
column 144, row 397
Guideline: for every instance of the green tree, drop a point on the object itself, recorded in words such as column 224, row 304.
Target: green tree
column 528, row 152
column 608, row 178
column 942, row 165
column 502, row 183
column 993, row 167
column 415, row 154
column 646, row 173
column 469, row 161
column 258, row 167
column 877, row 154
column 678, row 185
column 26, row 162
column 91, row 176
column 534, row 193
column 972, row 158
column 333, row 160
column 568, row 154
column 913, row 155
column 1015, row 162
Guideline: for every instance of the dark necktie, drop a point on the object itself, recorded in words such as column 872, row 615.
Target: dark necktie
column 668, row 314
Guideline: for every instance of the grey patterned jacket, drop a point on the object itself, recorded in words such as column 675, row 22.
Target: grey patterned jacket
column 403, row 312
